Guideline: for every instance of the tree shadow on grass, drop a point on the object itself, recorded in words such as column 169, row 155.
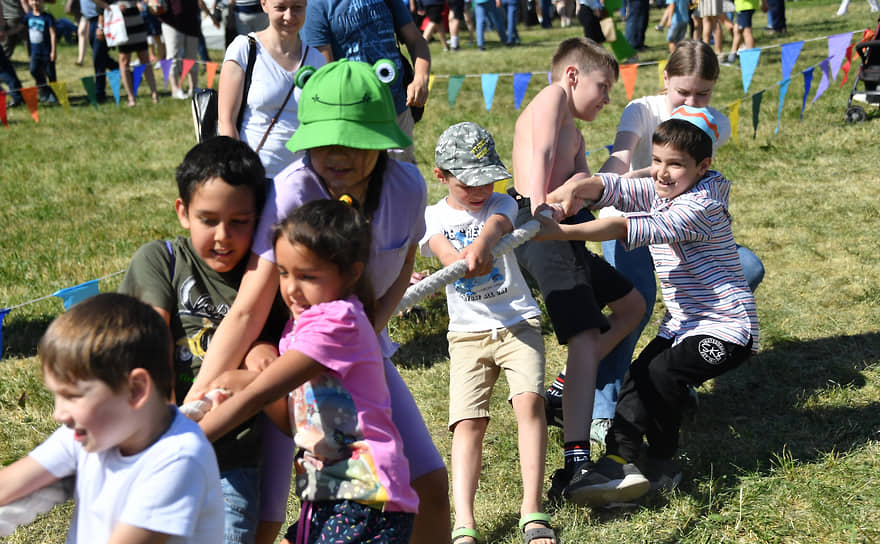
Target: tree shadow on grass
column 768, row 408
column 21, row 336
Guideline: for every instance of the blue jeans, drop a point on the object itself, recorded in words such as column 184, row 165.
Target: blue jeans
column 101, row 60
column 241, row 504
column 42, row 69
column 636, row 265
column 546, row 10
column 9, row 77
column 512, row 34
column 636, row 22
column 482, row 11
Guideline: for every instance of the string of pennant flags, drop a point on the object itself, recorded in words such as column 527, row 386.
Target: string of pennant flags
column 839, row 60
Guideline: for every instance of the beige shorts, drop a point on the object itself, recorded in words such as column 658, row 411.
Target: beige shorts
column 476, row 359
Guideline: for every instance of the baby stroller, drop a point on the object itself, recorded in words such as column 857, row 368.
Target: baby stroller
column 869, row 76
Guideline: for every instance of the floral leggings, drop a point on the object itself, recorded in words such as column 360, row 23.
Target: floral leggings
column 343, row 522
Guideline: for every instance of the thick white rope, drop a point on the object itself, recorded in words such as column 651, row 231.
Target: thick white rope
column 197, row 409
column 457, row 270
column 25, row 509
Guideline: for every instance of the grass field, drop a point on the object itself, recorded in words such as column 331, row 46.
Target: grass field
column 784, row 449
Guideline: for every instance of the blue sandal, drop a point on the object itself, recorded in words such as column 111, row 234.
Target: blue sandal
column 540, row 518
column 466, row 532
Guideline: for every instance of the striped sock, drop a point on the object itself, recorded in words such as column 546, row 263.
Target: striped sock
column 576, row 454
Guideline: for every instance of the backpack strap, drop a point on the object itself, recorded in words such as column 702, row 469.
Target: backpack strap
column 248, row 74
column 170, row 252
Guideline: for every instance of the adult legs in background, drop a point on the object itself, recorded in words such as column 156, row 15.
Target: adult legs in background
column 590, row 23
column 636, row 22
column 82, row 39
column 512, row 10
column 101, row 60
column 777, row 15
column 546, row 11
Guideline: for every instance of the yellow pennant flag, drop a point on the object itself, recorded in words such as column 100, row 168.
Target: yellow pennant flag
column 733, row 115
column 60, row 90
column 661, row 69
column 430, row 82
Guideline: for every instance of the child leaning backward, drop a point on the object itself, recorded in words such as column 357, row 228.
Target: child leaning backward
column 549, row 152
column 494, row 324
column 710, row 327
column 191, row 281
column 144, row 472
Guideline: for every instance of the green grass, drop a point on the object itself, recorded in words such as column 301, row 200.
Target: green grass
column 784, row 449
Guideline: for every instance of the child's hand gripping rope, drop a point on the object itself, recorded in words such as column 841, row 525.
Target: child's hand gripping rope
column 197, row 409
column 457, row 270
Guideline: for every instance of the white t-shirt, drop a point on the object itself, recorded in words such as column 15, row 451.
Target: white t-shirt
column 270, row 83
column 172, row 487
column 498, row 299
column 641, row 117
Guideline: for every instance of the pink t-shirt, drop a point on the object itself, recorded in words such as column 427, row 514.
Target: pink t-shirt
column 351, row 448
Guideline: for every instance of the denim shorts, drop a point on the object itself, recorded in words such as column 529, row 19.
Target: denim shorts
column 241, row 504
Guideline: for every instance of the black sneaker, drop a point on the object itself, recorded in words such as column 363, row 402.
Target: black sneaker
column 663, row 474
column 608, row 481
column 558, row 481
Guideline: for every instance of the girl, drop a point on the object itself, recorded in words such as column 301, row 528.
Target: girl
column 351, row 473
column 137, row 43
column 345, row 129
column 689, row 78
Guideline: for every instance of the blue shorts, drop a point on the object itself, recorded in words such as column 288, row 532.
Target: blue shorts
column 329, row 522
column 676, row 32
column 744, row 18
column 241, row 498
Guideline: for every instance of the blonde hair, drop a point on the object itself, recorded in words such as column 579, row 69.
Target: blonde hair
column 584, row 53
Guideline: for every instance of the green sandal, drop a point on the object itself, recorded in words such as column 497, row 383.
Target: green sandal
column 540, row 518
column 465, row 532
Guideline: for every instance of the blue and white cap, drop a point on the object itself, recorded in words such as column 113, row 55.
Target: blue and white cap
column 702, row 118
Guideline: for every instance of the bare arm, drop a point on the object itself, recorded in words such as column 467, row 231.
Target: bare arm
column 621, row 153
column 573, row 193
column 22, row 478
column 546, row 122
column 124, row 533
column 53, row 40
column 229, row 93
column 417, row 92
column 386, row 304
column 241, row 326
column 287, row 373
column 606, row 228
column 443, row 250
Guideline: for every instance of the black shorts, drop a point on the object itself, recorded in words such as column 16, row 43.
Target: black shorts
column 575, row 282
column 457, row 8
column 434, row 13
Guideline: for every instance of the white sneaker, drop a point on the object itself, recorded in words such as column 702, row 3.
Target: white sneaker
column 179, row 94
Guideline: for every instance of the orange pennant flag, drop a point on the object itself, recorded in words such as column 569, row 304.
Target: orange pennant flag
column 187, row 66
column 212, row 71
column 60, row 89
column 661, row 71
column 846, row 65
column 30, row 99
column 628, row 76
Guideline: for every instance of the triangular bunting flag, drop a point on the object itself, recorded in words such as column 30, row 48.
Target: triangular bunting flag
column 30, row 99
column 454, row 86
column 136, row 75
column 836, row 49
column 609, row 147
column 756, row 110
column 3, row 111
column 549, row 78
column 790, row 53
column 431, row 79
column 846, row 65
column 520, row 84
column 661, row 71
column 115, row 82
column 808, row 82
column 3, row 313
column 620, row 47
column 613, row 5
column 824, row 82
column 733, row 115
column 88, row 83
column 748, row 61
column 187, row 66
column 211, row 71
column 166, row 69
column 628, row 77
column 60, row 90
column 77, row 293
column 783, row 90
column 488, row 82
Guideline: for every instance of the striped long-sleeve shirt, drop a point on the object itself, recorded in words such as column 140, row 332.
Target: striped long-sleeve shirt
column 691, row 243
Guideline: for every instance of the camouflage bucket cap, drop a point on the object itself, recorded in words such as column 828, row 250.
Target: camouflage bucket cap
column 467, row 150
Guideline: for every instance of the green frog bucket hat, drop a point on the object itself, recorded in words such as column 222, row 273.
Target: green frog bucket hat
column 347, row 103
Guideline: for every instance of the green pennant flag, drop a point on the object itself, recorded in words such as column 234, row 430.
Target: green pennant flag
column 613, row 5
column 620, row 47
column 454, row 86
column 756, row 109
column 89, row 85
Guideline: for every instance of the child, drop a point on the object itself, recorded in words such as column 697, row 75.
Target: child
column 351, row 472
column 678, row 22
column 494, row 323
column 548, row 149
column 742, row 32
column 710, row 326
column 144, row 472
column 191, row 282
column 41, row 34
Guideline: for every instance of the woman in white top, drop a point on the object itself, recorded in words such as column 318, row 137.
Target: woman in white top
column 280, row 53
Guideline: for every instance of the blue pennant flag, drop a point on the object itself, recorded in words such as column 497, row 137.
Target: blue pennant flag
column 489, row 81
column 136, row 74
column 783, row 89
column 825, row 81
column 113, row 78
column 808, row 82
column 790, row 53
column 77, row 293
column 3, row 314
column 520, row 84
column 748, row 61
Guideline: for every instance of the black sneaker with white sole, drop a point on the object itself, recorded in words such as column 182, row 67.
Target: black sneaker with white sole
column 607, row 481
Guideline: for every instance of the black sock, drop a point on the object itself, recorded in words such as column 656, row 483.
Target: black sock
column 557, row 387
column 576, row 454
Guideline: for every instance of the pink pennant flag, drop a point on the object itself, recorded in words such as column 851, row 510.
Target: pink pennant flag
column 824, row 82
column 489, row 83
column 846, row 65
column 836, row 50
column 187, row 66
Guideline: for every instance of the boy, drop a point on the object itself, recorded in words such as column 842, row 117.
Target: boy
column 41, row 33
column 192, row 281
column 710, row 326
column 548, row 150
column 494, row 323
column 144, row 472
